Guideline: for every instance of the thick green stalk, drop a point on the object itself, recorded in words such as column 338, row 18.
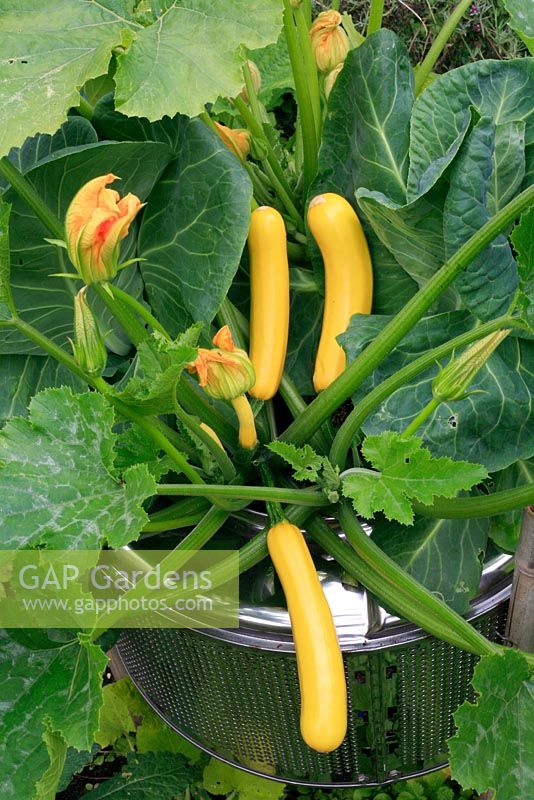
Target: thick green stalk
column 172, row 524
column 376, row 13
column 346, row 384
column 485, row 505
column 219, row 455
column 281, row 185
column 309, row 138
column 310, row 67
column 208, row 526
column 422, row 416
column 347, row 432
column 426, row 66
column 299, row 497
column 26, row 192
column 392, row 586
column 134, row 330
column 138, row 308
column 182, row 508
column 85, row 109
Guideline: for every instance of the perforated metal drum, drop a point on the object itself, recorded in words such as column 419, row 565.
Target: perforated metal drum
column 235, row 693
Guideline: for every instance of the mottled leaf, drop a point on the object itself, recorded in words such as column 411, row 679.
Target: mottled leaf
column 68, row 437
column 151, row 776
column 495, row 740
column 522, row 20
column 57, row 690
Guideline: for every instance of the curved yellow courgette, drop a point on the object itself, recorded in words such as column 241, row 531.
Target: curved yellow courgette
column 269, row 300
column 348, row 278
column 323, row 691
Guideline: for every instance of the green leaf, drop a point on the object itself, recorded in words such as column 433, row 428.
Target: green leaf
column 46, row 53
column 25, row 376
column 523, row 242
column 111, row 124
column 175, row 49
column 442, row 554
column 503, row 715
column 194, row 229
column 151, row 776
column 85, row 506
column 57, row 690
column 304, row 332
column 504, row 529
column 41, row 300
column 157, row 368
column 47, row 785
column 479, row 182
column 275, row 69
column 76, row 131
column 522, row 20
column 304, row 460
column 406, row 472
column 494, row 427
column 221, row 778
column 134, row 446
column 7, row 307
column 498, row 90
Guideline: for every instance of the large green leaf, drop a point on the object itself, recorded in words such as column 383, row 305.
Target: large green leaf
column 494, row 428
column 522, row 20
column 488, row 285
column 76, row 131
column 194, row 229
column 47, row 51
column 44, row 301
column 498, row 90
column 192, row 55
column 366, row 133
column 151, row 776
column 442, row 554
column 495, row 740
column 56, row 690
column 86, row 505
column 24, row 376
column 111, row 124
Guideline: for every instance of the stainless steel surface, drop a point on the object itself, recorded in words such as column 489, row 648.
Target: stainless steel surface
column 520, row 624
column 235, row 692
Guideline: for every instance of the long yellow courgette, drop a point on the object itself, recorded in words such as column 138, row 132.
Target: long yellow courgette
column 323, row 690
column 348, row 278
column 269, row 300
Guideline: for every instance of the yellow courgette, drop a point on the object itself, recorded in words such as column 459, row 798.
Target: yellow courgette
column 323, row 691
column 348, row 278
column 269, row 300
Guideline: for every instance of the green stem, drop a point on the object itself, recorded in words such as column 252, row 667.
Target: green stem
column 195, row 401
column 208, row 526
column 219, row 455
column 346, row 434
column 485, row 505
column 135, row 331
column 299, row 497
column 137, row 307
column 301, row 430
column 310, row 68
column 309, row 138
column 85, row 109
column 229, row 315
column 297, row 252
column 426, row 66
column 375, row 16
column 393, row 587
column 422, row 416
column 172, row 524
column 274, row 509
column 174, row 437
column 256, row 128
column 26, row 192
column 182, row 508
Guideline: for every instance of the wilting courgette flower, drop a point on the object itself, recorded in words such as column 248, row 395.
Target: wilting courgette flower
column 236, row 139
column 88, row 346
column 329, row 41
column 226, row 373
column 452, row 382
column 96, row 222
column 256, row 81
column 330, row 79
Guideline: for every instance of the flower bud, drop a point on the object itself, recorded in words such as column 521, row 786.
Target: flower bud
column 256, row 81
column 329, row 41
column 88, row 346
column 96, row 222
column 452, row 381
column 225, row 372
column 331, row 79
column 236, row 139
